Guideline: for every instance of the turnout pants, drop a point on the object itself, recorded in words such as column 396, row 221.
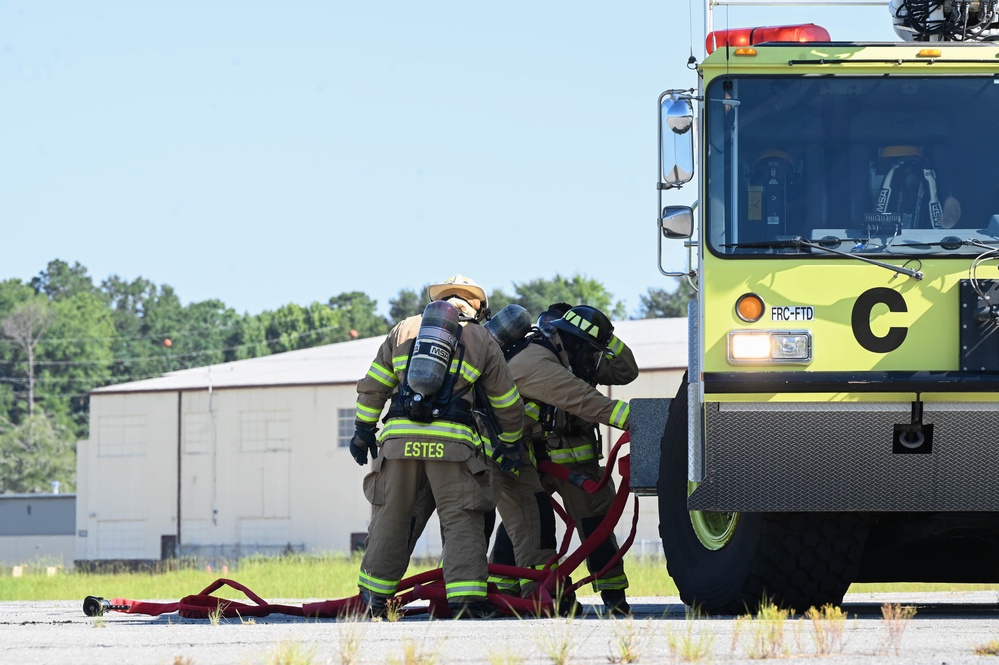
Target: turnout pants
column 528, row 519
column 461, row 498
column 588, row 510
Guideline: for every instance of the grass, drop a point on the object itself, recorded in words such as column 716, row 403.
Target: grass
column 505, row 656
column 414, row 653
column 896, row 620
column 291, row 653
column 828, row 627
column 294, row 576
column 627, row 643
column 691, row 644
column 556, row 641
column 349, row 642
column 766, row 628
column 303, row 576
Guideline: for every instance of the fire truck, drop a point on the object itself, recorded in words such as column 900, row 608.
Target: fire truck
column 839, row 420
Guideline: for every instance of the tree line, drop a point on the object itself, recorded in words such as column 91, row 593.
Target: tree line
column 63, row 335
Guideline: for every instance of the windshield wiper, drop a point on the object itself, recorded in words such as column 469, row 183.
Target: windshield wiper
column 947, row 242
column 798, row 242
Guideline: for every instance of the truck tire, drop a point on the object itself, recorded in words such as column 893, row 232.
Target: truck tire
column 731, row 563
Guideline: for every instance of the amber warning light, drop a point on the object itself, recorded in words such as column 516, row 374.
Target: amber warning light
column 805, row 32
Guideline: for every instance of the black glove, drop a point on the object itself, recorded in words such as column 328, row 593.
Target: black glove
column 363, row 441
column 512, row 457
column 541, row 451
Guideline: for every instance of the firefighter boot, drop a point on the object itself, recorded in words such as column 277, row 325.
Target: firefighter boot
column 472, row 610
column 615, row 603
column 568, row 606
column 376, row 606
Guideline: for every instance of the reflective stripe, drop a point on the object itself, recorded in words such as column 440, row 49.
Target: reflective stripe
column 440, row 429
column 383, row 376
column 366, row 414
column 511, row 437
column 383, row 587
column 399, row 363
column 505, row 400
column 619, row 417
column 611, row 583
column 470, row 372
column 587, row 327
column 505, row 584
column 532, row 410
column 466, row 589
column 566, row 455
column 497, row 457
column 615, row 346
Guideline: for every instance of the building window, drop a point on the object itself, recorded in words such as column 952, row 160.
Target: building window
column 345, row 427
column 265, row 431
column 121, row 436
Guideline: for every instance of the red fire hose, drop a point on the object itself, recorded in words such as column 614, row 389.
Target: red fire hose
column 428, row 585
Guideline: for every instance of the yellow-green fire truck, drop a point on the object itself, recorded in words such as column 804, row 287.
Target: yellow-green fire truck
column 839, row 421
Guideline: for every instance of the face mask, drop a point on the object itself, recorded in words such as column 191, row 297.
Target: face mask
column 585, row 360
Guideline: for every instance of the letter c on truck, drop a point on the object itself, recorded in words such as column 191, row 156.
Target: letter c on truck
column 861, row 320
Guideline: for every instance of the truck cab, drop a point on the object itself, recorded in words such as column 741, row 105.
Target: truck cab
column 843, row 382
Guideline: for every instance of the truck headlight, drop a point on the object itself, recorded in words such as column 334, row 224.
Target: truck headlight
column 764, row 346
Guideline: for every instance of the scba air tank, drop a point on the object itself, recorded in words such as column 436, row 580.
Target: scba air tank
column 432, row 353
column 510, row 325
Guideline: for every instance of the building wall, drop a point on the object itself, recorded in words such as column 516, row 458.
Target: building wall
column 37, row 528
column 47, row 550
column 248, row 470
column 127, row 477
column 262, row 468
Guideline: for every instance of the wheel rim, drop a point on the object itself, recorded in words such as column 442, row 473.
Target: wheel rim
column 714, row 530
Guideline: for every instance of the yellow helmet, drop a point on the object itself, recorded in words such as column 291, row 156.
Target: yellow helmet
column 891, row 151
column 464, row 288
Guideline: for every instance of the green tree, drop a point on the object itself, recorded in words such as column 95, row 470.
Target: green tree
column 128, row 302
column 75, row 356
column 60, row 280
column 663, row 304
column 293, row 327
column 355, row 313
column 406, row 304
column 248, row 339
column 34, row 454
column 13, row 293
column 24, row 326
column 203, row 336
column 536, row 295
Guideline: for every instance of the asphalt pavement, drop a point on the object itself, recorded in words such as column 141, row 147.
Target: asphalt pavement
column 946, row 628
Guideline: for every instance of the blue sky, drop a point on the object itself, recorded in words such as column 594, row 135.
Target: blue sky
column 268, row 153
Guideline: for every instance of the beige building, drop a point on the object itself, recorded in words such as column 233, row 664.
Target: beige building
column 251, row 456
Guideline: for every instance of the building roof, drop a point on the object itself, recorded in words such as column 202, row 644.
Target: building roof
column 657, row 344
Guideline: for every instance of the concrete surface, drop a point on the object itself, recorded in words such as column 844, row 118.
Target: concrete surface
column 946, row 629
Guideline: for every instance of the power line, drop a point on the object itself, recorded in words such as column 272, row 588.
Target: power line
column 169, row 354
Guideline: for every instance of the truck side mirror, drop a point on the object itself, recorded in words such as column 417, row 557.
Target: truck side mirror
column 677, row 141
column 677, row 222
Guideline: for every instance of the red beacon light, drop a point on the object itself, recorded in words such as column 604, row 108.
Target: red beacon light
column 804, row 32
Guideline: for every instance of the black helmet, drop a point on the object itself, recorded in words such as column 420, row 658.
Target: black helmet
column 554, row 312
column 588, row 324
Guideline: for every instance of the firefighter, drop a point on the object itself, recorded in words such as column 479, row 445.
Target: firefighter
column 904, row 182
column 429, row 441
column 526, row 535
column 556, row 377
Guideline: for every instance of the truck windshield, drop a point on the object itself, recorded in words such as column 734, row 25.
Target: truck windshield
column 865, row 165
